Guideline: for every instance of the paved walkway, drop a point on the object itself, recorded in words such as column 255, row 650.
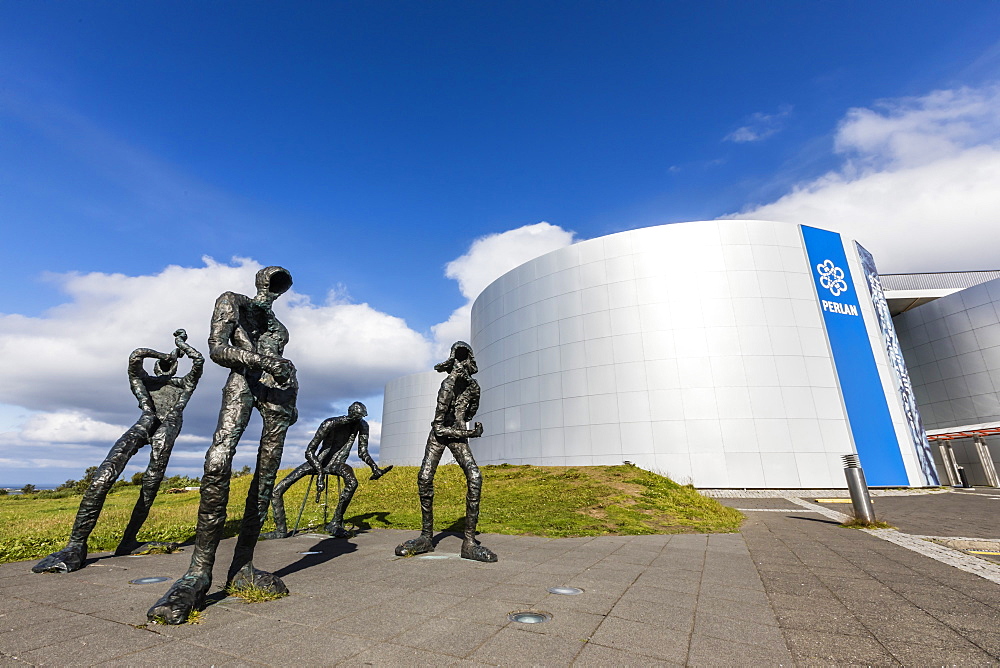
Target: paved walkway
column 792, row 588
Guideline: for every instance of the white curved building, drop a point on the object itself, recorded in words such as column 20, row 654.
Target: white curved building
column 723, row 353
column 407, row 412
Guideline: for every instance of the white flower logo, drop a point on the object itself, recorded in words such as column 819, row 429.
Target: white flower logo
column 831, row 277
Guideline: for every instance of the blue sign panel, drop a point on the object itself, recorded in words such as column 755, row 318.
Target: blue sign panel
column 864, row 397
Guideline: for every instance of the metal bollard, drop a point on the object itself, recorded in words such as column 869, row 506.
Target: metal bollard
column 964, row 477
column 860, row 498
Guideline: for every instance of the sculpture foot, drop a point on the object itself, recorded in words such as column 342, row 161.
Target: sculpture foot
column 185, row 596
column 338, row 530
column 272, row 535
column 472, row 549
column 414, row 546
column 381, row 472
column 66, row 560
column 254, row 578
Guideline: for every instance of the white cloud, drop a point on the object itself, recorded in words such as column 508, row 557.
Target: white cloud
column 918, row 183
column 69, row 427
column 68, row 365
column 761, row 126
column 487, row 259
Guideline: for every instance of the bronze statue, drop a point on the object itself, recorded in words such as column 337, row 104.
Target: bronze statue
column 162, row 398
column 457, row 403
column 247, row 338
column 336, row 435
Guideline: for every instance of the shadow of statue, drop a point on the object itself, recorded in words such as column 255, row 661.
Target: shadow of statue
column 362, row 521
column 328, row 548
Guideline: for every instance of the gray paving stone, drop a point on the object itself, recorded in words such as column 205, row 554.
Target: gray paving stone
column 742, row 631
column 819, row 647
column 651, row 639
column 233, row 638
column 512, row 646
column 517, row 594
column 66, row 626
column 711, row 651
column 942, row 654
column 663, row 613
column 172, row 653
column 585, row 602
column 455, row 637
column 310, row 647
column 106, row 645
column 737, row 594
column 760, row 611
column 600, row 656
column 391, row 654
column 566, row 623
column 378, row 623
column 426, row 602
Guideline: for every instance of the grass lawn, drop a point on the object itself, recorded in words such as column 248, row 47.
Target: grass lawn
column 536, row 500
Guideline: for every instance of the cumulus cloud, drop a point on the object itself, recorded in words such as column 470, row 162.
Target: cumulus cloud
column 67, row 366
column 487, row 259
column 760, row 126
column 917, row 184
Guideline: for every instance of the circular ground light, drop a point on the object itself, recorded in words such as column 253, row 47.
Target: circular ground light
column 568, row 591
column 529, row 617
column 310, row 552
column 148, row 581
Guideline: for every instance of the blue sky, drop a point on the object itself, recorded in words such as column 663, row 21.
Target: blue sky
column 365, row 146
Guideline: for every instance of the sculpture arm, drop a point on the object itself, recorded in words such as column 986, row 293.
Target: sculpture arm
column 137, row 375
column 363, row 430
column 317, row 438
column 190, row 381
column 225, row 319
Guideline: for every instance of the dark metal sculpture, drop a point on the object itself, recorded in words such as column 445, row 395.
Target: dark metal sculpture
column 247, row 338
column 457, row 403
column 336, row 435
column 162, row 398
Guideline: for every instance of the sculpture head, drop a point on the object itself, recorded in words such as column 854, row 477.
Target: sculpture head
column 461, row 353
column 272, row 282
column 166, row 367
column 357, row 410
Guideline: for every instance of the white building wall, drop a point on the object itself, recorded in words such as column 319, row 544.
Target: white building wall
column 407, row 412
column 694, row 349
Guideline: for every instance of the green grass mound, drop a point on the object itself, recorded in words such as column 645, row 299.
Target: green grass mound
column 534, row 500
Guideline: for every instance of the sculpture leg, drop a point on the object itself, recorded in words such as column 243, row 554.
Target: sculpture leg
column 272, row 442
column 278, row 501
column 336, row 526
column 188, row 593
column 161, row 443
column 471, row 548
column 425, row 487
column 71, row 557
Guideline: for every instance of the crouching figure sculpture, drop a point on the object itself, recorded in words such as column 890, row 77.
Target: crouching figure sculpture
column 457, row 403
column 327, row 454
column 162, row 398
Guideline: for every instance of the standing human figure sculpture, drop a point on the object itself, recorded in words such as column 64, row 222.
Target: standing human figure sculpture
column 336, row 435
column 162, row 398
column 457, row 403
column 247, row 338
